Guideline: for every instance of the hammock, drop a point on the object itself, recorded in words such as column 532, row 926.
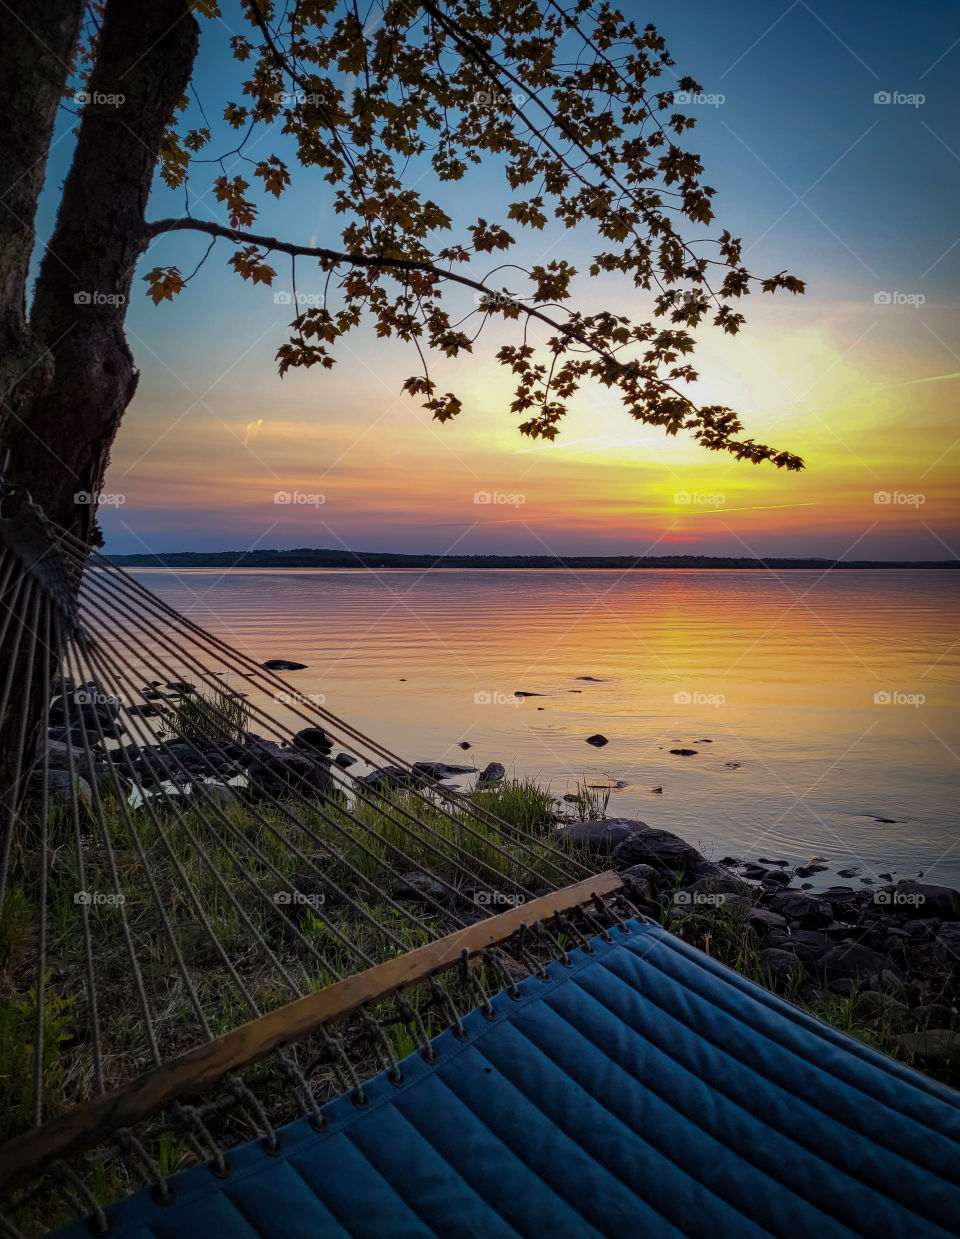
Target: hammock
column 351, row 999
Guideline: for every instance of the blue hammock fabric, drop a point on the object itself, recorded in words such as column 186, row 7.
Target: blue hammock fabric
column 643, row 1091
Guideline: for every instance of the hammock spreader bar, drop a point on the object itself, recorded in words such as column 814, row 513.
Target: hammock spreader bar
column 201, row 1067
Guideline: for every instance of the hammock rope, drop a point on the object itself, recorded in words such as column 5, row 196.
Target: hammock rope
column 181, row 839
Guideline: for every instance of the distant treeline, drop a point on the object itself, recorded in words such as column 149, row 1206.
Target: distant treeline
column 306, row 558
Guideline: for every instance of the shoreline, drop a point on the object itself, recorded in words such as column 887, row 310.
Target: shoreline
column 303, row 558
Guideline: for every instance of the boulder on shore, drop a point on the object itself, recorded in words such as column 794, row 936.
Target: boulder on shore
column 647, row 845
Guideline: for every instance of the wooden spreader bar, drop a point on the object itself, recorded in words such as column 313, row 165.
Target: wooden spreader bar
column 190, row 1073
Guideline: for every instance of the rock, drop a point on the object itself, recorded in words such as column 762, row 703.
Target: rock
column 313, row 739
column 597, row 741
column 947, row 947
column 665, row 851
column 591, row 679
column 780, row 965
column 801, row 909
column 344, row 760
column 523, row 694
column 810, row 868
column 935, row 1015
column 938, row 1047
column 641, row 881
column 846, row 873
column 922, row 900
column 763, row 860
column 599, row 836
column 465, row 744
column 684, row 752
column 387, row 777
column 416, row 885
column 217, row 794
column 62, row 785
column 808, row 944
column 440, row 770
column 775, row 877
column 886, row 982
column 276, row 773
column 753, row 872
column 183, row 687
column 879, row 1005
column 145, row 711
column 494, row 772
column 763, row 919
column 732, row 765
column 283, row 664
column 853, row 959
column 657, row 791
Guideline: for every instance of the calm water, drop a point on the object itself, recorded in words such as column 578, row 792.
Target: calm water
column 829, row 701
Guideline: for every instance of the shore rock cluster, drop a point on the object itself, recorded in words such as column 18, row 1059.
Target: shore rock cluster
column 892, row 950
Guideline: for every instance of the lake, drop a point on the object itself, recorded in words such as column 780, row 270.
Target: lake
column 822, row 706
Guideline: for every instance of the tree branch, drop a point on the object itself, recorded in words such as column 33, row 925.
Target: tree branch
column 381, row 262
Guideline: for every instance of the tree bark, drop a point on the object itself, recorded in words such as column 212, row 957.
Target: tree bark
column 73, row 373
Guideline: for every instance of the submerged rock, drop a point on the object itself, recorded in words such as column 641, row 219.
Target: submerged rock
column 684, row 752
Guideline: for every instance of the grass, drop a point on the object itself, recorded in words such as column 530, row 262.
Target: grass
column 338, row 868
column 217, row 716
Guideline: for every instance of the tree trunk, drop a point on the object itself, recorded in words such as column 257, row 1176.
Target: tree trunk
column 36, row 51
column 67, row 406
column 145, row 57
